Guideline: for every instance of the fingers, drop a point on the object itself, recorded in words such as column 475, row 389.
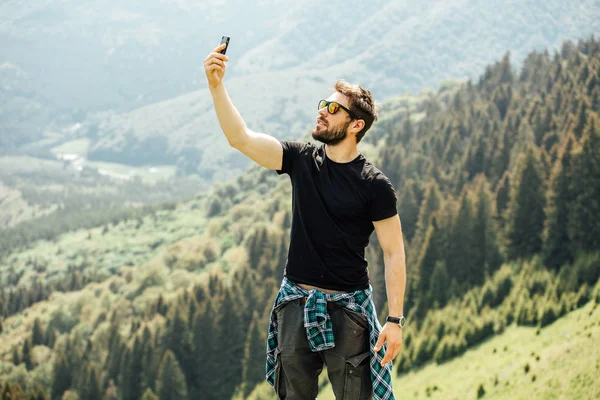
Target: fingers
column 219, row 47
column 214, row 55
column 214, row 61
column 380, row 341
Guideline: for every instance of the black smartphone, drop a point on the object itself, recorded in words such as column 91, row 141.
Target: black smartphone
column 225, row 39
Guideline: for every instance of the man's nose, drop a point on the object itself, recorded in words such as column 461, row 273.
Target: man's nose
column 323, row 112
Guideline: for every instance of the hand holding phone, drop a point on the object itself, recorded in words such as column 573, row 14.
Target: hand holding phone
column 214, row 63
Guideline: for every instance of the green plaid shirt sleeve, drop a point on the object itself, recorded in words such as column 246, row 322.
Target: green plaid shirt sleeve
column 320, row 333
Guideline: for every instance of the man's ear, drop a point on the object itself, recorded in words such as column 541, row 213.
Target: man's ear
column 358, row 125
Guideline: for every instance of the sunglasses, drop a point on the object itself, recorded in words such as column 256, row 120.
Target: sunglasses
column 333, row 107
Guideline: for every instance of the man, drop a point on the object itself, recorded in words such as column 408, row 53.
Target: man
column 323, row 313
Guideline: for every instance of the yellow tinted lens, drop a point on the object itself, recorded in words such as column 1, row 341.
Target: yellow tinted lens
column 333, row 107
column 322, row 104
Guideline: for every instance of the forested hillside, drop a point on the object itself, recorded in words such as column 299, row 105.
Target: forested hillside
column 498, row 182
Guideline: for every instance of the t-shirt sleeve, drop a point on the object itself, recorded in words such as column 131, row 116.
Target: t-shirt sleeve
column 383, row 199
column 291, row 150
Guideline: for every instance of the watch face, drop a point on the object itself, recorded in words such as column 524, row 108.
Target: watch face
column 402, row 322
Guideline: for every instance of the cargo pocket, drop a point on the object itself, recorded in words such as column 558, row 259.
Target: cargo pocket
column 356, row 320
column 278, row 384
column 358, row 377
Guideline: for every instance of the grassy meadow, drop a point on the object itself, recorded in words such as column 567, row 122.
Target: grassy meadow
column 559, row 361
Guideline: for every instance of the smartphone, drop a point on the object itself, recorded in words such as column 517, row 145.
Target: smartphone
column 225, row 39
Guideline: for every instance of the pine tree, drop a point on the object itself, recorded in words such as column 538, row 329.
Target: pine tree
column 131, row 372
column 429, row 255
column 37, row 394
column 179, row 340
column 487, row 255
column 582, row 120
column 37, row 333
column 431, row 203
column 149, row 395
column 557, row 246
column 409, row 211
column 94, row 388
column 584, row 215
column 171, row 383
column 12, row 392
column 255, row 242
column 254, row 355
column 204, row 383
column 50, row 338
column 16, row 357
column 150, row 360
column 115, row 352
column 26, row 355
column 525, row 214
column 89, row 386
column 463, row 264
column 439, row 283
column 111, row 392
column 62, row 377
column 230, row 342
column 502, row 195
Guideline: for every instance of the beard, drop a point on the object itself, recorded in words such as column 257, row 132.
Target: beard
column 331, row 136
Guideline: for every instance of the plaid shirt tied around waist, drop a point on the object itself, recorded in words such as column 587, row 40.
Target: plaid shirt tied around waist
column 320, row 333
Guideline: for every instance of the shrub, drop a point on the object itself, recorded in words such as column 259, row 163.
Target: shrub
column 548, row 314
column 403, row 363
column 62, row 321
column 480, row 391
column 596, row 293
column 587, row 267
column 538, row 283
column 444, row 350
column 504, row 284
column 563, row 307
column 488, row 296
column 420, row 355
column 432, row 344
column 407, row 338
column 582, row 296
column 526, row 313
column 494, row 292
column 479, row 331
column 214, row 207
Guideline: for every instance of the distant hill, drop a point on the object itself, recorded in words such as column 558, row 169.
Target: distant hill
column 132, row 74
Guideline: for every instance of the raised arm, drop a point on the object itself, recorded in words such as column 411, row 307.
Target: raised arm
column 263, row 149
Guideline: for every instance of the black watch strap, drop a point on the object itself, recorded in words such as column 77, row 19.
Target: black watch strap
column 400, row 320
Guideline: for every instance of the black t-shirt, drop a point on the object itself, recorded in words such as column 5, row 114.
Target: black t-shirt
column 333, row 209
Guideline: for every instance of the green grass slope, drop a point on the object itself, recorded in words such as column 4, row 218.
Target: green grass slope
column 562, row 361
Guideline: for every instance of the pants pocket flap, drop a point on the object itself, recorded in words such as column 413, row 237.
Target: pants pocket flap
column 357, row 360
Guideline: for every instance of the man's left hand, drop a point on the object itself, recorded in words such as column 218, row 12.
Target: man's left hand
column 392, row 335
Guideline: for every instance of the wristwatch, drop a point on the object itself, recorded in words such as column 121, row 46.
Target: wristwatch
column 400, row 321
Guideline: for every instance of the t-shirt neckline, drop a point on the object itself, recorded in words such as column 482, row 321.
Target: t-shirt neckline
column 355, row 160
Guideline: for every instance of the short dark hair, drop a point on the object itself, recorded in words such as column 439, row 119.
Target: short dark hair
column 361, row 104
